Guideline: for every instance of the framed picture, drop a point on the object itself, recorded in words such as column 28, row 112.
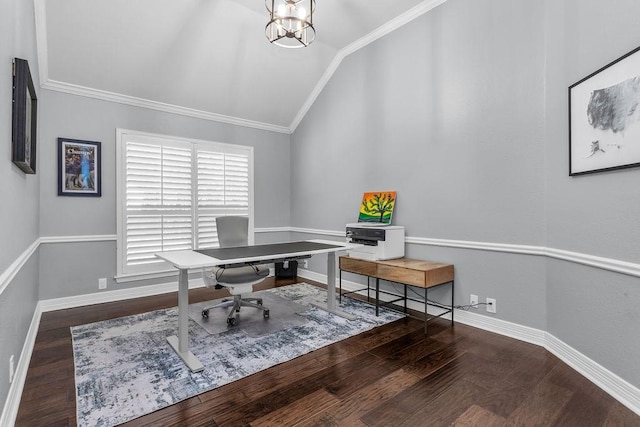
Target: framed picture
column 79, row 168
column 24, row 118
column 604, row 118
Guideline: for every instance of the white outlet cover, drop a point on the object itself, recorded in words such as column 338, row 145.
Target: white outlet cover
column 491, row 305
column 473, row 300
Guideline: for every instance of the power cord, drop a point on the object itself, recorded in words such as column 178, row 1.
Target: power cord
column 436, row 303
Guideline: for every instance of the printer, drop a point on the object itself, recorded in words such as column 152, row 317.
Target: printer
column 378, row 242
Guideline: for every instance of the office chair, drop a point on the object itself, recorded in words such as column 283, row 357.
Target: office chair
column 239, row 280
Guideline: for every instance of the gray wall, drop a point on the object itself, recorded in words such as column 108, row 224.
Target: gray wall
column 594, row 311
column 18, row 193
column 74, row 268
column 464, row 112
column 448, row 111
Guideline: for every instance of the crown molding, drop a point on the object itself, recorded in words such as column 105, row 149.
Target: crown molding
column 40, row 12
column 374, row 35
column 58, row 86
column 42, row 47
column 158, row 106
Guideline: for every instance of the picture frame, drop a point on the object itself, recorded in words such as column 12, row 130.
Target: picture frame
column 79, row 168
column 24, row 118
column 604, row 118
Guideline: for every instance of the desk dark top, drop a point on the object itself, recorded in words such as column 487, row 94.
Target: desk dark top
column 272, row 249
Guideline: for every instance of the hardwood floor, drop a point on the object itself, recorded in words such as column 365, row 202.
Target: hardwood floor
column 391, row 376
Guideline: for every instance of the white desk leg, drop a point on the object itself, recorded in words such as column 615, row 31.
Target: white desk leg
column 331, row 306
column 180, row 343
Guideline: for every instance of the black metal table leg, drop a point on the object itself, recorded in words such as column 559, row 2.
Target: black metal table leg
column 452, row 302
column 426, row 304
column 405, row 298
column 377, row 296
column 340, row 280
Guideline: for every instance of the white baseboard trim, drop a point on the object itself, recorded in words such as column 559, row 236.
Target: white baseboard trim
column 119, row 295
column 621, row 390
column 115, row 295
column 11, row 405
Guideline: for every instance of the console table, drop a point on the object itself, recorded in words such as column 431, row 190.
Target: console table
column 405, row 271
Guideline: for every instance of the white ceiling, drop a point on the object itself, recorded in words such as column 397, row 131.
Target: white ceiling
column 204, row 58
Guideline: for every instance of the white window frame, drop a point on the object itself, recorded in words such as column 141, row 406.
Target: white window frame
column 161, row 269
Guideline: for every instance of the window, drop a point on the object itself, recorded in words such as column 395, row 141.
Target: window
column 170, row 191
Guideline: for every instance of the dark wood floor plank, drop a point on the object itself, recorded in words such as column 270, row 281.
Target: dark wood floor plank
column 477, row 416
column 367, row 398
column 391, row 375
column 410, row 400
column 295, row 389
column 182, row 413
column 436, row 359
column 621, row 416
column 299, row 411
column 447, row 406
column 542, row 406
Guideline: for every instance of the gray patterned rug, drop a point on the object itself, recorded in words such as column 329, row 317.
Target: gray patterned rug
column 125, row 368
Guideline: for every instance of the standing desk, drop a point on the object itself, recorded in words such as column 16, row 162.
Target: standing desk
column 245, row 255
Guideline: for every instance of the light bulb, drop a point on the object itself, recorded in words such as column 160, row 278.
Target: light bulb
column 302, row 13
column 282, row 10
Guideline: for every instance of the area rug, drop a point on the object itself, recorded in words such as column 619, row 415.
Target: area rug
column 125, row 368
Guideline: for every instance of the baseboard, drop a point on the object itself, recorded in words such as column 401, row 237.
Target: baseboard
column 115, row 295
column 616, row 387
column 621, row 390
column 11, row 405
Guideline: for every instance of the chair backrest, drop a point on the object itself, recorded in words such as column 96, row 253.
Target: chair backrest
column 232, row 231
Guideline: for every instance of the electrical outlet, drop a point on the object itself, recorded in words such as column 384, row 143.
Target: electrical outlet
column 491, row 305
column 305, row 263
column 473, row 301
column 12, row 368
column 102, row 283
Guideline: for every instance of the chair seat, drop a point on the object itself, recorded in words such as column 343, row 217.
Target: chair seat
column 240, row 278
column 241, row 275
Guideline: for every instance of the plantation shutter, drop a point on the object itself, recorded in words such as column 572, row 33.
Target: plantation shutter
column 173, row 192
column 158, row 185
column 223, row 189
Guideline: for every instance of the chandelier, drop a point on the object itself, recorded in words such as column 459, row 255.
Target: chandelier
column 291, row 22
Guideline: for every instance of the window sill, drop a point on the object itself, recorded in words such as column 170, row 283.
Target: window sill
column 136, row 277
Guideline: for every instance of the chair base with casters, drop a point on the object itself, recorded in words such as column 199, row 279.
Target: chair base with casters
column 213, row 279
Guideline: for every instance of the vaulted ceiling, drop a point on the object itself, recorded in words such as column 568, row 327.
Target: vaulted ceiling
column 204, row 58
